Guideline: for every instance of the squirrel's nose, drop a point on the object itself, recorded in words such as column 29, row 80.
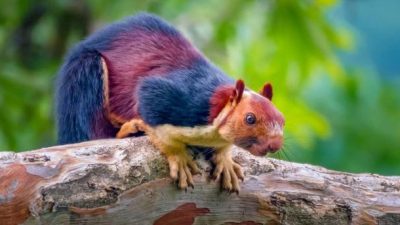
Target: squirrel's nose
column 273, row 147
column 274, row 144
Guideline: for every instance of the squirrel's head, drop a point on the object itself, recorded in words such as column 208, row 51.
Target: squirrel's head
column 248, row 119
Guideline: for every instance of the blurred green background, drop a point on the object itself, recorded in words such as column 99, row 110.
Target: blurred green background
column 334, row 65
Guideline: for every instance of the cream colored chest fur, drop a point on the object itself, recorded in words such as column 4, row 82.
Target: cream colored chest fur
column 205, row 136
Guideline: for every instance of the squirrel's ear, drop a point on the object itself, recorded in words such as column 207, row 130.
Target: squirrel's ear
column 238, row 92
column 267, row 91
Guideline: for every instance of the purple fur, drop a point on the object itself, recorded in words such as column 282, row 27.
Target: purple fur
column 153, row 72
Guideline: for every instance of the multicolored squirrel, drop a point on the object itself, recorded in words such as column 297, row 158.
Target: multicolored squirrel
column 141, row 74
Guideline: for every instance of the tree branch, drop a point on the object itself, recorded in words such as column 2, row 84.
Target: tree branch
column 126, row 182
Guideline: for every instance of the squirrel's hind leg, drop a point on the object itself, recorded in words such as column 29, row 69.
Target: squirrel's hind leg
column 131, row 127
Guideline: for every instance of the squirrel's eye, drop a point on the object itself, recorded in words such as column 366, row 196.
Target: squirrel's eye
column 250, row 118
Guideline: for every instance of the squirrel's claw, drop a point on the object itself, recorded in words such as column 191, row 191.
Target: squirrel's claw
column 217, row 171
column 229, row 172
column 182, row 166
column 238, row 171
column 193, row 167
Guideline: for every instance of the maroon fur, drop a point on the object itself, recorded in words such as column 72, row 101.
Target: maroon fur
column 218, row 101
column 102, row 127
column 138, row 54
column 239, row 90
column 221, row 97
column 267, row 91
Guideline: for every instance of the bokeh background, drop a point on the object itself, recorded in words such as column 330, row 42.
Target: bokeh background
column 334, row 65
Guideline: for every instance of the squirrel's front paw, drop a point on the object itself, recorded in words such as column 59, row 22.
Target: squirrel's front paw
column 230, row 171
column 181, row 168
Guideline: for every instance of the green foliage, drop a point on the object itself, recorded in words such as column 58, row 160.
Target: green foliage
column 340, row 117
column 365, row 123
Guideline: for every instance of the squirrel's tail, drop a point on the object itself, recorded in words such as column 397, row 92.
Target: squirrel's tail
column 79, row 96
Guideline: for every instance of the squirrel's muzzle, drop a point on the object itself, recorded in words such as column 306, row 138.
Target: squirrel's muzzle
column 266, row 145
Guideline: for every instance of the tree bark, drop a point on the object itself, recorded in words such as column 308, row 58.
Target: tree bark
column 127, row 182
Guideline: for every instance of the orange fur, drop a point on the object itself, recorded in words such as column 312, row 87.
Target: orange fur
column 265, row 135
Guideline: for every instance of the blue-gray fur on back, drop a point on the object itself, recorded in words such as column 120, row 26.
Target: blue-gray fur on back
column 180, row 98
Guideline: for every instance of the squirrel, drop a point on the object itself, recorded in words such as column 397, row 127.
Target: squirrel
column 141, row 74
